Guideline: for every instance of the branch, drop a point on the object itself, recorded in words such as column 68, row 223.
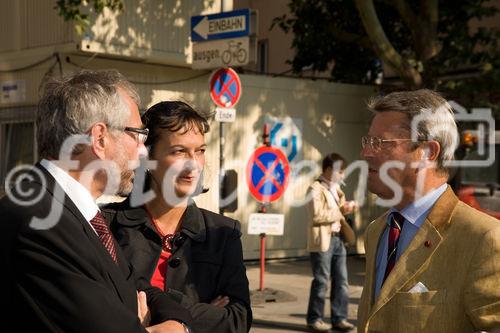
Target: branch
column 352, row 38
column 407, row 15
column 70, row 11
column 429, row 9
column 383, row 46
column 427, row 44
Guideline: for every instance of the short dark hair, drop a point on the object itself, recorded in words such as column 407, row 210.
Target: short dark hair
column 172, row 116
column 331, row 159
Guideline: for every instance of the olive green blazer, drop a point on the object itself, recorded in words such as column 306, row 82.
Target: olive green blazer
column 456, row 255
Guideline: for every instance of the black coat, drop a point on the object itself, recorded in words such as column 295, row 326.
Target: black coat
column 206, row 261
column 61, row 278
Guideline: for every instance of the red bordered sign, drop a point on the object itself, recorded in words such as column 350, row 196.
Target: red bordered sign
column 267, row 174
column 225, row 87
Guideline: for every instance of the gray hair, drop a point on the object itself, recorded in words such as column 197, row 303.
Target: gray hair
column 72, row 104
column 430, row 118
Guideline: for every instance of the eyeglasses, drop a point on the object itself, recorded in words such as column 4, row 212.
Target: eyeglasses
column 375, row 143
column 140, row 134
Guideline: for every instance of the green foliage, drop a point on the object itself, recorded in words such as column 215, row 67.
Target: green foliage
column 465, row 63
column 315, row 26
column 72, row 10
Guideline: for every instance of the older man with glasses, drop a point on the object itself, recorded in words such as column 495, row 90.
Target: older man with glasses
column 62, row 269
column 432, row 262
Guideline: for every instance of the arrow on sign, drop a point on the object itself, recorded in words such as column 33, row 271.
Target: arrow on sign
column 202, row 28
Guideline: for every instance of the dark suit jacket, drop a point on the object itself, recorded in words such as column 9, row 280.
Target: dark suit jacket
column 206, row 262
column 61, row 278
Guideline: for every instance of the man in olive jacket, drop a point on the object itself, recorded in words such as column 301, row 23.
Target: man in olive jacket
column 432, row 262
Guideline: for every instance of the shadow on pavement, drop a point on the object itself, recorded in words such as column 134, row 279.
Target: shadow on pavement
column 258, row 323
column 295, row 277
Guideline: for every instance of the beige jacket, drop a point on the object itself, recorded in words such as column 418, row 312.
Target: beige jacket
column 456, row 255
column 324, row 211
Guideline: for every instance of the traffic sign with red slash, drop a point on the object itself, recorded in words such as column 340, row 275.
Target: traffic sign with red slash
column 267, row 174
column 225, row 87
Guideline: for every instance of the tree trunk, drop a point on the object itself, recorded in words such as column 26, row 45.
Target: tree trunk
column 426, row 44
column 383, row 47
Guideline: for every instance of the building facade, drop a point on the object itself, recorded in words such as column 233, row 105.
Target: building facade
column 149, row 42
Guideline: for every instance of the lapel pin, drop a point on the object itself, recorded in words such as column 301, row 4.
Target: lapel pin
column 427, row 243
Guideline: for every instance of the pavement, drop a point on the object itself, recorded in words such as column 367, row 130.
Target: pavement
column 293, row 280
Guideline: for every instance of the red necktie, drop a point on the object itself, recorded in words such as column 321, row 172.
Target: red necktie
column 397, row 221
column 102, row 229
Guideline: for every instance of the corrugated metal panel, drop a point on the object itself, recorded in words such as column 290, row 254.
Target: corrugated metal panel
column 156, row 25
column 152, row 29
column 9, row 25
column 31, row 23
column 43, row 25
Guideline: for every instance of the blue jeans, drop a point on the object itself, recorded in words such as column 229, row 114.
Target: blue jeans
column 331, row 263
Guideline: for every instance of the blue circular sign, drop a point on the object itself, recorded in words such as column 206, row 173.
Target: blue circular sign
column 225, row 87
column 267, row 174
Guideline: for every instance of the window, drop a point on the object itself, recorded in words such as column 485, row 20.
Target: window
column 263, row 54
column 17, row 140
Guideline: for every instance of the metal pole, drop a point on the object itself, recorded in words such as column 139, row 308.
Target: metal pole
column 221, row 165
column 262, row 260
column 221, row 149
column 263, row 210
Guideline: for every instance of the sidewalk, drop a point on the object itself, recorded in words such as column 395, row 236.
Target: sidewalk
column 295, row 278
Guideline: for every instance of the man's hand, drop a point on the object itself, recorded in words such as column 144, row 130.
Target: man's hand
column 169, row 326
column 348, row 207
column 220, row 301
column 142, row 309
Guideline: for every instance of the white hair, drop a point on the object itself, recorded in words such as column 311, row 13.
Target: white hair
column 430, row 118
column 71, row 105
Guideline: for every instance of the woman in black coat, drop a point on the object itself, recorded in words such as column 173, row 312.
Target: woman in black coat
column 191, row 253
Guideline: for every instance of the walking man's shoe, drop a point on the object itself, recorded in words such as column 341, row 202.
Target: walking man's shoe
column 343, row 325
column 319, row 326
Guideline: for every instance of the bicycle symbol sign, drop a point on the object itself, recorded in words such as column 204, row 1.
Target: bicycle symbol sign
column 235, row 52
column 225, row 87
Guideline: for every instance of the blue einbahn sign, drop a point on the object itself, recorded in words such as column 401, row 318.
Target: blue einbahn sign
column 219, row 26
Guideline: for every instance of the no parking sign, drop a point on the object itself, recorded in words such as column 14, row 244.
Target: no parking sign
column 267, row 174
column 225, row 87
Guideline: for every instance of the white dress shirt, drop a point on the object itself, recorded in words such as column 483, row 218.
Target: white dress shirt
column 80, row 196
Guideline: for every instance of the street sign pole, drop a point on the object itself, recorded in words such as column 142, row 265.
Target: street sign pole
column 267, row 143
column 262, row 260
column 225, row 91
column 221, row 148
column 221, row 165
column 267, row 174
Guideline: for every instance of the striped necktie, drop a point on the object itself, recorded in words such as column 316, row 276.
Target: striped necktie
column 102, row 229
column 397, row 221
